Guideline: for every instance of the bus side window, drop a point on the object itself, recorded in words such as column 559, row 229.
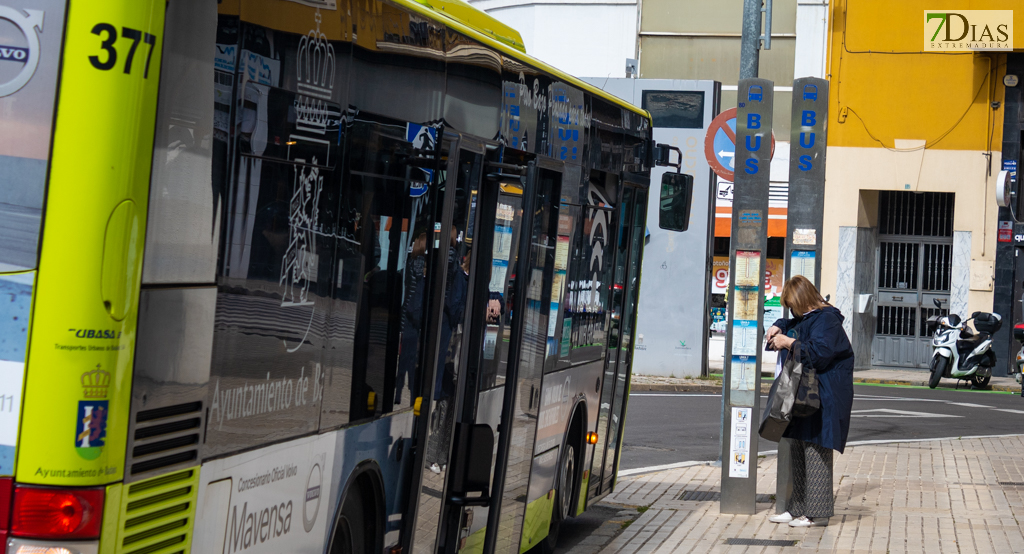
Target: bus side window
column 380, row 299
column 560, row 332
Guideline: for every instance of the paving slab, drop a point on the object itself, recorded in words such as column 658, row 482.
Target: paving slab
column 950, row 495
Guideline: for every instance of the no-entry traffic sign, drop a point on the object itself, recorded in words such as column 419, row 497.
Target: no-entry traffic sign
column 720, row 144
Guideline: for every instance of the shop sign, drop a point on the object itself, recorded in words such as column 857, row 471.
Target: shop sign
column 1005, row 231
column 966, row 30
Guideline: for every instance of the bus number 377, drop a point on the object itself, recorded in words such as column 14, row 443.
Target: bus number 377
column 309, row 276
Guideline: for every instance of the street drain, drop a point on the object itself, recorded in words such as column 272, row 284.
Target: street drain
column 1012, row 483
column 759, row 542
column 715, row 496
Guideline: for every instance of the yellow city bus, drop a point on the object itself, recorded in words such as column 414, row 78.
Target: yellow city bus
column 343, row 276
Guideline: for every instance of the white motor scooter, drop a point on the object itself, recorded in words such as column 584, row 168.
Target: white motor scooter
column 959, row 352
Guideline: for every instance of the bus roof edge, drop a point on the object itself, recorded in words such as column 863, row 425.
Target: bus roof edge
column 424, row 7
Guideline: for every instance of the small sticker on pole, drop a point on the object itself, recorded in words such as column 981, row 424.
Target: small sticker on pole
column 808, row 237
column 739, row 443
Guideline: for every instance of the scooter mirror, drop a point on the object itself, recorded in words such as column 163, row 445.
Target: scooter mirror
column 937, row 303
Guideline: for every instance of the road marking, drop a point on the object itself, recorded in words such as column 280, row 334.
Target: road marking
column 675, row 394
column 899, row 399
column 1009, row 410
column 887, row 413
column 624, row 473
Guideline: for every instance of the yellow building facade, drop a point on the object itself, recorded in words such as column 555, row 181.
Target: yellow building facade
column 915, row 145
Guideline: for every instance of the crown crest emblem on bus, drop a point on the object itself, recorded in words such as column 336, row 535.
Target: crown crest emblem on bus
column 314, row 72
column 95, row 383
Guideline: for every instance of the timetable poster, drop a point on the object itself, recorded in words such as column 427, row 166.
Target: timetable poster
column 746, row 302
column 748, row 268
column 744, row 373
column 744, row 338
column 801, row 262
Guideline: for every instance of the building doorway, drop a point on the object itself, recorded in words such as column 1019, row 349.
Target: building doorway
column 914, row 263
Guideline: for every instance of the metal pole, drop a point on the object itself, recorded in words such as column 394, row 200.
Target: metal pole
column 741, row 384
column 809, row 125
column 749, row 53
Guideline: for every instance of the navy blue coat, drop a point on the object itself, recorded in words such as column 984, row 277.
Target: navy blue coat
column 825, row 347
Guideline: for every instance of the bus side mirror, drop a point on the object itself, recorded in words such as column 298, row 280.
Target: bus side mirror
column 662, row 156
column 676, row 197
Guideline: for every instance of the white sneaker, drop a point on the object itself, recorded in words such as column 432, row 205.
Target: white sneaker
column 784, row 517
column 804, row 521
column 435, row 468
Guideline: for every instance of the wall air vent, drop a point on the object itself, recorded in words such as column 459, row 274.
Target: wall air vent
column 164, row 438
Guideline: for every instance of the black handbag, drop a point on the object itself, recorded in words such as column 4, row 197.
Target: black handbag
column 807, row 400
column 773, row 422
column 794, row 393
column 779, row 410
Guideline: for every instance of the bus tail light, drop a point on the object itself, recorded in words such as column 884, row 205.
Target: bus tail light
column 591, row 438
column 47, row 513
column 6, row 488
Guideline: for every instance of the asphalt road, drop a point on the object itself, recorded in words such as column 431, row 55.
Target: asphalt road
column 667, row 428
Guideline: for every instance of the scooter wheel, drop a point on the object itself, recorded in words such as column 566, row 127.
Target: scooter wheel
column 938, row 368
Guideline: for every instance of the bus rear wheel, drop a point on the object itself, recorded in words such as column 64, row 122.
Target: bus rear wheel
column 355, row 528
column 563, row 497
column 566, row 478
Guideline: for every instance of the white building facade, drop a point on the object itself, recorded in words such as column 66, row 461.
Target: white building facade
column 586, row 38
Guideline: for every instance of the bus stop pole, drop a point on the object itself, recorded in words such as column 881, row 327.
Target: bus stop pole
column 749, row 60
column 741, row 384
column 808, row 128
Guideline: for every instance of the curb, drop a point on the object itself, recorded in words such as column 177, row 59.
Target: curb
column 664, row 387
column 999, row 388
column 686, row 387
column 765, row 387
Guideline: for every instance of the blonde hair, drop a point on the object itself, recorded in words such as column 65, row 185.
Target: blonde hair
column 800, row 296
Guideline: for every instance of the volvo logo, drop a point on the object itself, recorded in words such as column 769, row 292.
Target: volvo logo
column 28, row 57
column 311, row 502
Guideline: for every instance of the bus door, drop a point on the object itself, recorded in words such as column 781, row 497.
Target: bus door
column 517, row 231
column 632, row 225
column 453, row 243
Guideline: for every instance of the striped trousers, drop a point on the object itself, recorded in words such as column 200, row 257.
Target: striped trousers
column 812, row 480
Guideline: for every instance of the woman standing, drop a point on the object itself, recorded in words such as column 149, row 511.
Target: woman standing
column 817, row 328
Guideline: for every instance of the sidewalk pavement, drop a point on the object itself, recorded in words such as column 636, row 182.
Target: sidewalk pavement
column 934, row 496
column 905, row 377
